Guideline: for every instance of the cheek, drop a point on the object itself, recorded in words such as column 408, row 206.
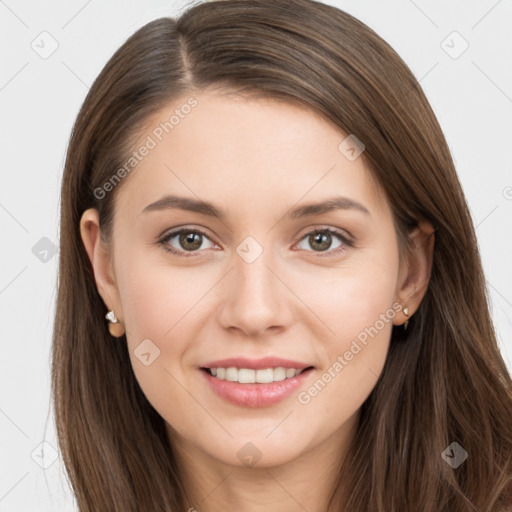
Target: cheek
column 159, row 299
column 163, row 304
column 354, row 317
column 350, row 297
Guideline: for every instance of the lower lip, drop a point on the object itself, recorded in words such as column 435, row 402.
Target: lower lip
column 255, row 395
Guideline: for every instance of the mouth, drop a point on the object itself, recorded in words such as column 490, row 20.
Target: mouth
column 253, row 388
column 255, row 376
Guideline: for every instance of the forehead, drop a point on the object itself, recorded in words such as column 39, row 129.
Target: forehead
column 244, row 151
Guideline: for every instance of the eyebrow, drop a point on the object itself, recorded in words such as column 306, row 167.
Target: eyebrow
column 171, row 202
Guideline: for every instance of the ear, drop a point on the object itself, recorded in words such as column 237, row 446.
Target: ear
column 414, row 276
column 101, row 261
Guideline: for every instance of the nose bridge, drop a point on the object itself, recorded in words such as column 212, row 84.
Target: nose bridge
column 254, row 299
column 252, row 275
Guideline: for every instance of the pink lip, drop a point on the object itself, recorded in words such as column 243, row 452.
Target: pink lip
column 256, row 364
column 255, row 395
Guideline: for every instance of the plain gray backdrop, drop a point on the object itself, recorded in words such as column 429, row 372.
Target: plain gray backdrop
column 461, row 51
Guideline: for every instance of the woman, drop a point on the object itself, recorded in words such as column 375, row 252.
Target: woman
column 270, row 291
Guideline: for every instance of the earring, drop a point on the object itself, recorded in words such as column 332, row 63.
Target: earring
column 406, row 313
column 114, row 327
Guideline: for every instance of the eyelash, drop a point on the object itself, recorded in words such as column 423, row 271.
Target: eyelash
column 347, row 242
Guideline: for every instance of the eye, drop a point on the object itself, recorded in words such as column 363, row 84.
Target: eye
column 190, row 240
column 321, row 239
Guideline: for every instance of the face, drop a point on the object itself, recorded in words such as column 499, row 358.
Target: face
column 316, row 289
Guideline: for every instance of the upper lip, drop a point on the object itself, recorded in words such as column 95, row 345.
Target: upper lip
column 256, row 364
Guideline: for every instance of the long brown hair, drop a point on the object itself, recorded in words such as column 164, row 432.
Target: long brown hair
column 445, row 383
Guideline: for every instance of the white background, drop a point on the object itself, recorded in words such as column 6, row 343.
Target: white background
column 39, row 100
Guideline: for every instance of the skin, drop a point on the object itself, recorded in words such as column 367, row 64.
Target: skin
column 255, row 159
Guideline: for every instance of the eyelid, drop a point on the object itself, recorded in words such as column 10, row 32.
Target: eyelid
column 179, row 229
column 321, row 228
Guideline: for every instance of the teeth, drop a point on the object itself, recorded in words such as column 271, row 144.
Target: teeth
column 290, row 372
column 245, row 376
column 265, row 376
column 279, row 374
column 231, row 374
column 248, row 376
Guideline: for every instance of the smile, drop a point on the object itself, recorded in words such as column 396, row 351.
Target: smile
column 255, row 388
column 250, row 376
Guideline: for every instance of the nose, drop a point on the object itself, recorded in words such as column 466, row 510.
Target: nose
column 254, row 298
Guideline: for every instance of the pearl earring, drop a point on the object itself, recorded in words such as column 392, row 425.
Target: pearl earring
column 406, row 313
column 114, row 327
